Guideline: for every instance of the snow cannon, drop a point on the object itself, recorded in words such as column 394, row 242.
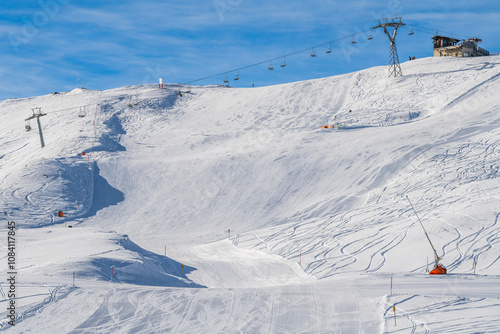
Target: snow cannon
column 439, row 270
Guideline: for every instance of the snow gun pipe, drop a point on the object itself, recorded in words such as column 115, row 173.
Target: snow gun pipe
column 436, row 257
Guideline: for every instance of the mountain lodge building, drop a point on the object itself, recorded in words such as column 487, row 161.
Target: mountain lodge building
column 452, row 47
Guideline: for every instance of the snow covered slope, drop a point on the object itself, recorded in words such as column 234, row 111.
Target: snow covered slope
column 307, row 209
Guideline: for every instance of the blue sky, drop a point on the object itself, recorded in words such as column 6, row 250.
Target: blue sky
column 57, row 45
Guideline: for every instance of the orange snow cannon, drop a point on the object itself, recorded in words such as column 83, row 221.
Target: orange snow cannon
column 439, row 270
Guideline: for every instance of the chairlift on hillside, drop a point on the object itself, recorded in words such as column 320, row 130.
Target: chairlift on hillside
column 283, row 64
column 411, row 31
column 237, row 76
column 82, row 112
column 27, row 126
column 353, row 39
column 271, row 67
column 329, row 50
column 371, row 36
column 313, row 53
column 226, row 80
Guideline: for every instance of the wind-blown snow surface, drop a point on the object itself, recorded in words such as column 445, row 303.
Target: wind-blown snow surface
column 319, row 221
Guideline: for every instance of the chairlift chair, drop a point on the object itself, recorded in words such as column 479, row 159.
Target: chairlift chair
column 411, row 31
column 82, row 112
column 329, row 50
column 353, row 39
column 283, row 64
column 271, row 67
column 226, row 80
column 27, row 126
column 371, row 36
column 237, row 76
column 313, row 53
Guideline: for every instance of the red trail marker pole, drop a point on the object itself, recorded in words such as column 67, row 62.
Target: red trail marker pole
column 228, row 233
column 391, row 285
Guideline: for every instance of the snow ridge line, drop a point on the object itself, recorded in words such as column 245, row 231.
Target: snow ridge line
column 470, row 92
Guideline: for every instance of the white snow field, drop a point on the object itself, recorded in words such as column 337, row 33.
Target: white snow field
column 230, row 211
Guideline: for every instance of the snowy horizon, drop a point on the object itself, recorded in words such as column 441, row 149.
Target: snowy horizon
column 59, row 45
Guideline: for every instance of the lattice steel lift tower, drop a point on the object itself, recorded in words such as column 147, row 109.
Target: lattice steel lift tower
column 394, row 67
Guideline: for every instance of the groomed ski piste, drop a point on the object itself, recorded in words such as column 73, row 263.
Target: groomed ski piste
column 229, row 210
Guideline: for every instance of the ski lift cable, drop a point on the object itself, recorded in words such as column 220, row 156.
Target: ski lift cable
column 350, row 36
column 72, row 108
column 12, row 126
column 432, row 31
column 308, row 49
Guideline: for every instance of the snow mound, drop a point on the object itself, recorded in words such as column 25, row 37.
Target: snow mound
column 91, row 254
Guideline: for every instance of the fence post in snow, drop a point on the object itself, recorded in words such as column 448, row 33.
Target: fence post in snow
column 112, row 269
column 160, row 83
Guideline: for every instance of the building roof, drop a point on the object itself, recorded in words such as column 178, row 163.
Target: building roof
column 454, row 40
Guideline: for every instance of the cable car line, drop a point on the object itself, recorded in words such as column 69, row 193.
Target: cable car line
column 312, row 53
